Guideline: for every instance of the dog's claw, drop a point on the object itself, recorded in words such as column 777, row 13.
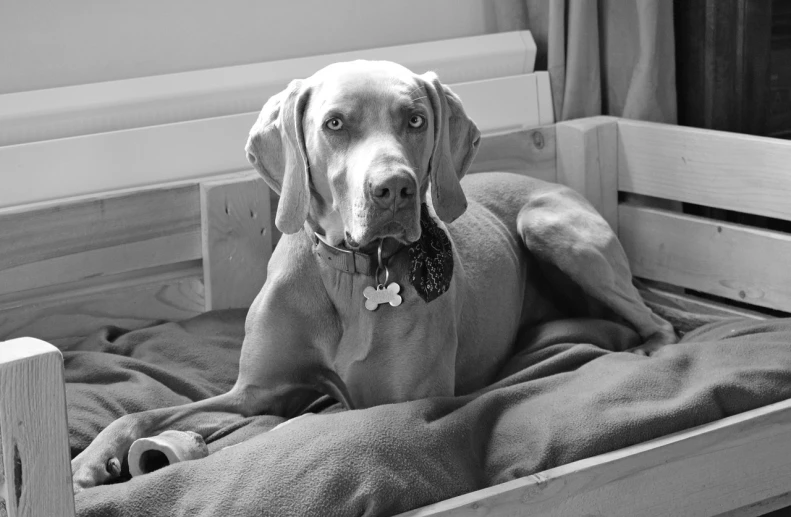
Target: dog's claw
column 113, row 467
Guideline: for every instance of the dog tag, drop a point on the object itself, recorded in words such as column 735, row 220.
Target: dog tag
column 375, row 297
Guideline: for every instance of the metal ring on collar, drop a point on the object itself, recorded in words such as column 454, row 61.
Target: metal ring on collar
column 381, row 265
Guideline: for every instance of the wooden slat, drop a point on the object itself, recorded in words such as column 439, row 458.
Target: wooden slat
column 729, row 260
column 64, row 316
column 587, row 162
column 698, row 305
column 68, row 167
column 63, row 228
column 33, row 430
column 722, row 170
column 237, row 240
column 103, row 262
column 709, row 470
column 529, row 151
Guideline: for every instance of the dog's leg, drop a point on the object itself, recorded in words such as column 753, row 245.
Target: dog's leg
column 560, row 227
column 101, row 461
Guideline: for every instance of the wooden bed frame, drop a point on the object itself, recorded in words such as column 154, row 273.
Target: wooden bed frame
column 135, row 256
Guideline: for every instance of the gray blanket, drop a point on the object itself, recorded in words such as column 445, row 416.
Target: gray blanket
column 569, row 394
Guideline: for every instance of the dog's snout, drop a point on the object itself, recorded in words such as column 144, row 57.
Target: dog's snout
column 396, row 190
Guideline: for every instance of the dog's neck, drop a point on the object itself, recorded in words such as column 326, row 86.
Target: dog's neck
column 430, row 257
column 352, row 261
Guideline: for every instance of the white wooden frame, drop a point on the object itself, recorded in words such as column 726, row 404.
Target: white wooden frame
column 736, row 466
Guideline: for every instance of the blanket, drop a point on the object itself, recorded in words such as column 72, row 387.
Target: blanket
column 570, row 393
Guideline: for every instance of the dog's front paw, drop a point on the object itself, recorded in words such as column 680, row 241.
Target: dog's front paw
column 102, row 461
column 89, row 470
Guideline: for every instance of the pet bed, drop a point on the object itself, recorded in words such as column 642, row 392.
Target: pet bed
column 571, row 428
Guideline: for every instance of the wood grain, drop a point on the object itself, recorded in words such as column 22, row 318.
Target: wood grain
column 33, row 430
column 529, row 151
column 103, row 262
column 708, row 470
column 62, row 228
column 237, row 240
column 737, row 262
column 129, row 302
column 716, row 169
column 588, row 163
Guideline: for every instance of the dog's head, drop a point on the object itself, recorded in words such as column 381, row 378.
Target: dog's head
column 354, row 148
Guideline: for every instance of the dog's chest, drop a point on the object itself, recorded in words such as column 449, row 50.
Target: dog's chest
column 367, row 336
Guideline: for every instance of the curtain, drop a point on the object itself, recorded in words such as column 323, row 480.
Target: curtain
column 604, row 57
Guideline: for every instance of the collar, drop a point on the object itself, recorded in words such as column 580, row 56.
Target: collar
column 430, row 258
column 341, row 259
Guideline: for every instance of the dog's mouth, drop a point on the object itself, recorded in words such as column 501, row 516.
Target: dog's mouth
column 393, row 233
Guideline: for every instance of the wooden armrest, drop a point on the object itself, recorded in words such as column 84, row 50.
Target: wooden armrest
column 33, row 431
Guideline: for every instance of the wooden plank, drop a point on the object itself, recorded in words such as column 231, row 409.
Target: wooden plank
column 68, row 167
column 723, row 170
column 708, row 470
column 529, row 151
column 173, row 293
column 588, row 163
column 737, row 262
column 33, row 430
column 62, row 228
column 103, row 262
column 237, row 240
column 65, row 167
column 698, row 305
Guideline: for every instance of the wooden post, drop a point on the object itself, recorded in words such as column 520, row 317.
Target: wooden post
column 33, row 431
column 587, row 161
column 237, row 240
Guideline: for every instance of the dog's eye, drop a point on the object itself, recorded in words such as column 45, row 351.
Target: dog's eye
column 416, row 121
column 334, row 124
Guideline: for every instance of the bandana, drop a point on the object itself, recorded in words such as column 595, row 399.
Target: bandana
column 430, row 259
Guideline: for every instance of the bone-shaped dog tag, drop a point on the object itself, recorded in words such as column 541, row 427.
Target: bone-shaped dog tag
column 375, row 297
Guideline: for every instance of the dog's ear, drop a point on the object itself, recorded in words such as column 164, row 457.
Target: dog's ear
column 456, row 140
column 276, row 148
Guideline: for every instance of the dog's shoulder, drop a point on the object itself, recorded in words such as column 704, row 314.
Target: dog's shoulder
column 292, row 260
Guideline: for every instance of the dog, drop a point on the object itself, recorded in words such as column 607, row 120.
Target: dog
column 395, row 279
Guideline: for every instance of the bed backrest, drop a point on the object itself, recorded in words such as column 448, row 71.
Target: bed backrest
column 701, row 210
column 716, row 252
column 132, row 256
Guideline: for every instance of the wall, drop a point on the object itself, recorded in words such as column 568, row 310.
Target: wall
column 45, row 44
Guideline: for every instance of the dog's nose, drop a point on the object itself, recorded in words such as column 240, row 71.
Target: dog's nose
column 397, row 190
